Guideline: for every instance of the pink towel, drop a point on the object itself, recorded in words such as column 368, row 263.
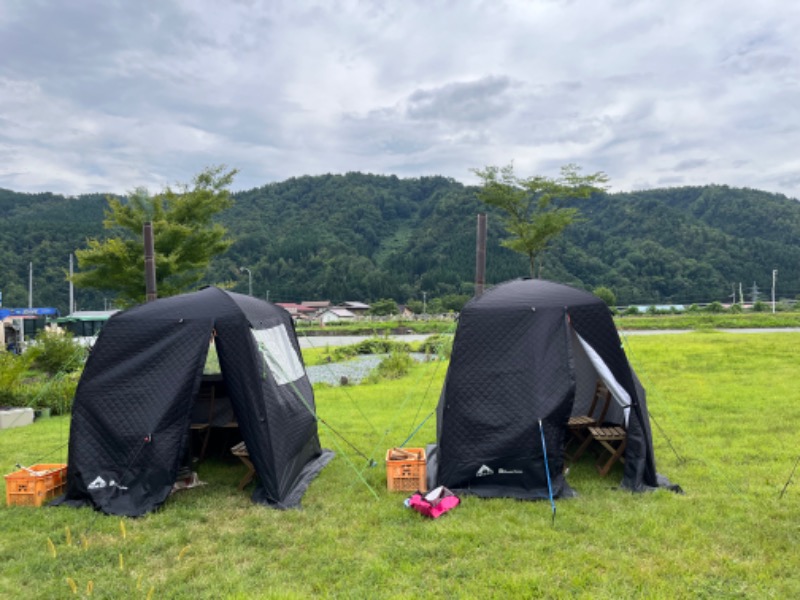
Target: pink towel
column 435, row 503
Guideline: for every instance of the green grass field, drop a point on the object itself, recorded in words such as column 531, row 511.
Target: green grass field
column 725, row 410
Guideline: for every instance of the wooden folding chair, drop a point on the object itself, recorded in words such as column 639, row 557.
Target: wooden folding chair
column 613, row 440
column 579, row 425
column 206, row 395
column 240, row 450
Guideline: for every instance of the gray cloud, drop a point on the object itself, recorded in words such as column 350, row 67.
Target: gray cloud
column 690, row 164
column 106, row 96
column 473, row 101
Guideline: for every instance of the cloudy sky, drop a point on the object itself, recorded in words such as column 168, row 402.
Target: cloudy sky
column 105, row 95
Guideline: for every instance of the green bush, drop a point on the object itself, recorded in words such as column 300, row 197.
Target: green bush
column 735, row 308
column 394, row 366
column 56, row 352
column 715, row 307
column 55, row 393
column 440, row 345
column 760, row 306
column 374, row 345
column 606, row 295
column 383, row 307
column 13, row 369
column 630, row 311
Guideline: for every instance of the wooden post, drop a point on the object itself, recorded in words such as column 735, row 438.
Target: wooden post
column 149, row 263
column 480, row 255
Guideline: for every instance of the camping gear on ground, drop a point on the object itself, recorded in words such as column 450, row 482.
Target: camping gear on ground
column 186, row 480
column 435, row 503
column 35, row 485
column 405, row 470
column 132, row 410
column 530, row 350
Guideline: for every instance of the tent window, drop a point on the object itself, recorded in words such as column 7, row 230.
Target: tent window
column 280, row 355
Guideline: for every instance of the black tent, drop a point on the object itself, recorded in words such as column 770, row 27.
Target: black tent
column 527, row 350
column 132, row 409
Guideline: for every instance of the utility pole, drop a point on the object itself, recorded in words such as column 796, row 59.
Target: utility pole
column 30, row 285
column 424, row 303
column 249, row 279
column 754, row 293
column 71, row 289
column 774, row 278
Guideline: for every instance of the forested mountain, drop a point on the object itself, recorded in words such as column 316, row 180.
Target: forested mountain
column 365, row 237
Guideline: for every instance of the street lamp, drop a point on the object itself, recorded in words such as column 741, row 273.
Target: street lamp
column 249, row 279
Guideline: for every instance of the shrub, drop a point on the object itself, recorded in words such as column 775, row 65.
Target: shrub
column 715, row 307
column 394, row 366
column 377, row 345
column 383, row 307
column 606, row 295
column 13, row 368
column 55, row 393
column 735, row 308
column 374, row 345
column 631, row 310
column 56, row 352
column 760, row 306
column 440, row 345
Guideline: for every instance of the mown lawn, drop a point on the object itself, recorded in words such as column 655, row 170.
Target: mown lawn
column 725, row 410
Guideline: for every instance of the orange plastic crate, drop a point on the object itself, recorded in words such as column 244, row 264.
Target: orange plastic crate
column 35, row 485
column 406, row 474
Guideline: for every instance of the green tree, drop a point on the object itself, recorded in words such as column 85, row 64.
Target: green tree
column 415, row 306
column 606, row 295
column 383, row 307
column 532, row 217
column 185, row 238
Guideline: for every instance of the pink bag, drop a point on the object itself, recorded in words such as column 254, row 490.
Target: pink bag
column 435, row 503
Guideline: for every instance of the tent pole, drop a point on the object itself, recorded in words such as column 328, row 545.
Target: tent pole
column 547, row 472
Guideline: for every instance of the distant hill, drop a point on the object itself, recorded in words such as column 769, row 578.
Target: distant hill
column 365, row 237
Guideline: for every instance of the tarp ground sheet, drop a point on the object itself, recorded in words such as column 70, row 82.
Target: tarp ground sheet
column 514, row 362
column 132, row 409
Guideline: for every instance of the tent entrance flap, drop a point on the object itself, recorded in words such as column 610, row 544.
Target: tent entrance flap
column 619, row 394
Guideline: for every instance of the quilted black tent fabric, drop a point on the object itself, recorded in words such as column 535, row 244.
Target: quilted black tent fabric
column 512, row 365
column 133, row 404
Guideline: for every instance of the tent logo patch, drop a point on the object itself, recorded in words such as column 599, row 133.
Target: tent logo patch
column 98, row 484
column 484, row 471
column 510, row 471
